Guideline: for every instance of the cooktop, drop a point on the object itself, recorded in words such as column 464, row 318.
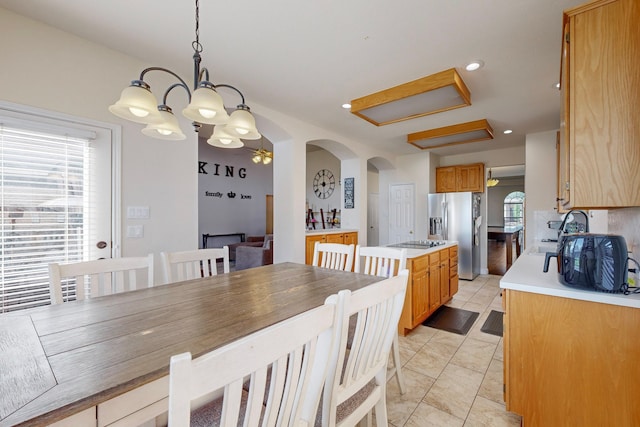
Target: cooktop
column 419, row 244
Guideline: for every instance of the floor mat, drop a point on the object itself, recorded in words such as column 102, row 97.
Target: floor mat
column 493, row 324
column 452, row 319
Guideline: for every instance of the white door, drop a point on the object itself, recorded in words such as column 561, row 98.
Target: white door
column 373, row 236
column 401, row 213
column 56, row 201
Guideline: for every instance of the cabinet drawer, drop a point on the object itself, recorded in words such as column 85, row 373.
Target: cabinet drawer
column 453, row 261
column 420, row 264
column 453, row 252
column 443, row 254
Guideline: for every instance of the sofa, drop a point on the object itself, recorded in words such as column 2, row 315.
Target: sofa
column 254, row 241
column 252, row 256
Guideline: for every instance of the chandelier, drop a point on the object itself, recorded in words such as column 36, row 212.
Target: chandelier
column 138, row 104
column 262, row 156
column 492, row 182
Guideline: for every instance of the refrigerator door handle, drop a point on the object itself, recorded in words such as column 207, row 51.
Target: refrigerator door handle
column 445, row 221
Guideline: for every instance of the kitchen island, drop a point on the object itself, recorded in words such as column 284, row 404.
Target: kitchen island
column 433, row 281
column 570, row 355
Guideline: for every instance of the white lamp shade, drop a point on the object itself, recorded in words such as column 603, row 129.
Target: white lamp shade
column 168, row 129
column 242, row 125
column 222, row 139
column 137, row 104
column 206, row 106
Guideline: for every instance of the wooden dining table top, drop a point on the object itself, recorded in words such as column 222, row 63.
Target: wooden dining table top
column 58, row 360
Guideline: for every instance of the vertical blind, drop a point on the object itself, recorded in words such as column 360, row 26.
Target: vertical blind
column 46, row 205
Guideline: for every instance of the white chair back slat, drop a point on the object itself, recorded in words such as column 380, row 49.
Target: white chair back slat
column 385, row 262
column 336, row 256
column 98, row 277
column 286, row 366
column 194, row 264
column 380, row 261
column 377, row 310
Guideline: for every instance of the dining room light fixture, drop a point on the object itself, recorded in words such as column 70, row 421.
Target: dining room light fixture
column 461, row 133
column 432, row 94
column 138, row 104
column 262, row 155
column 492, row 182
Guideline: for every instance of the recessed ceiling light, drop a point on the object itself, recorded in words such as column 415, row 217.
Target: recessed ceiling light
column 557, row 85
column 507, row 131
column 346, row 106
column 474, row 65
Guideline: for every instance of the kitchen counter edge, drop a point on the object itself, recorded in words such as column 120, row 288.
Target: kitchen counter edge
column 526, row 275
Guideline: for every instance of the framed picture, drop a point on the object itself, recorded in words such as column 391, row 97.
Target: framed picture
column 348, row 193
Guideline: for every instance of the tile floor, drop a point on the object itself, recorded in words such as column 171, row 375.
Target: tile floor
column 453, row 380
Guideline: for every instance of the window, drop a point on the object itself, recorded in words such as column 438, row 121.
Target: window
column 49, row 200
column 514, row 209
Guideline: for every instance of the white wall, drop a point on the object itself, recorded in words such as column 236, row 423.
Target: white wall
column 540, row 184
column 49, row 69
column 246, row 212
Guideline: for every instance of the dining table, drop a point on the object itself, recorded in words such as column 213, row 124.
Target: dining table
column 105, row 361
column 509, row 234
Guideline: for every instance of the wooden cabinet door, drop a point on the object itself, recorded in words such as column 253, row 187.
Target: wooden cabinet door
column 350, row 238
column 470, row 178
column 453, row 271
column 334, row 238
column 434, row 282
column 310, row 244
column 603, row 83
column 420, row 297
column 444, row 281
column 446, row 179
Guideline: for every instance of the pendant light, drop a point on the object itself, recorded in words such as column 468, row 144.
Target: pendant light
column 492, row 182
column 138, row 104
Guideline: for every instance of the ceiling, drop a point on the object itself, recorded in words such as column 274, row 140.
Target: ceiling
column 307, row 58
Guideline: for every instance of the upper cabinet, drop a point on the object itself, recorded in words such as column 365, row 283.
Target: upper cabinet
column 460, row 178
column 599, row 151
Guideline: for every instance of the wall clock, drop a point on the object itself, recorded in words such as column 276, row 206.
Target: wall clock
column 324, row 183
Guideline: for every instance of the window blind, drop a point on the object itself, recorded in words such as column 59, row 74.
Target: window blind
column 46, row 205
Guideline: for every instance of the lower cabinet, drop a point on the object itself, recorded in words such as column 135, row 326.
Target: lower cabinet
column 431, row 284
column 347, row 238
column 570, row 362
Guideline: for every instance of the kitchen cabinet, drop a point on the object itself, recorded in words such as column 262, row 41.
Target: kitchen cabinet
column 460, row 178
column 600, row 87
column 453, row 271
column 431, row 284
column 434, row 282
column 446, row 179
column 444, row 275
column 570, row 361
column 343, row 237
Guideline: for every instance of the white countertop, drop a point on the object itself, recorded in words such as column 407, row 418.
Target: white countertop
column 415, row 253
column 526, row 275
column 330, row 231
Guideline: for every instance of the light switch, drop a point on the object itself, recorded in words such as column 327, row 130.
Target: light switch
column 135, row 231
column 137, row 212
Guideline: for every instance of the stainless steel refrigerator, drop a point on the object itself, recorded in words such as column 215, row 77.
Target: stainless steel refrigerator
column 456, row 216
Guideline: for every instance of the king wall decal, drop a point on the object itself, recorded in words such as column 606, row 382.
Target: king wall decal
column 229, row 173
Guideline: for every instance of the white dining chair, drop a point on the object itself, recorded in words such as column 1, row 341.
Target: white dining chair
column 360, row 376
column 194, row 264
column 384, row 262
column 89, row 279
column 336, row 256
column 272, row 377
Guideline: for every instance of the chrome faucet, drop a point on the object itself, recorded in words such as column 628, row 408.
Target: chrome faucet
column 563, row 231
